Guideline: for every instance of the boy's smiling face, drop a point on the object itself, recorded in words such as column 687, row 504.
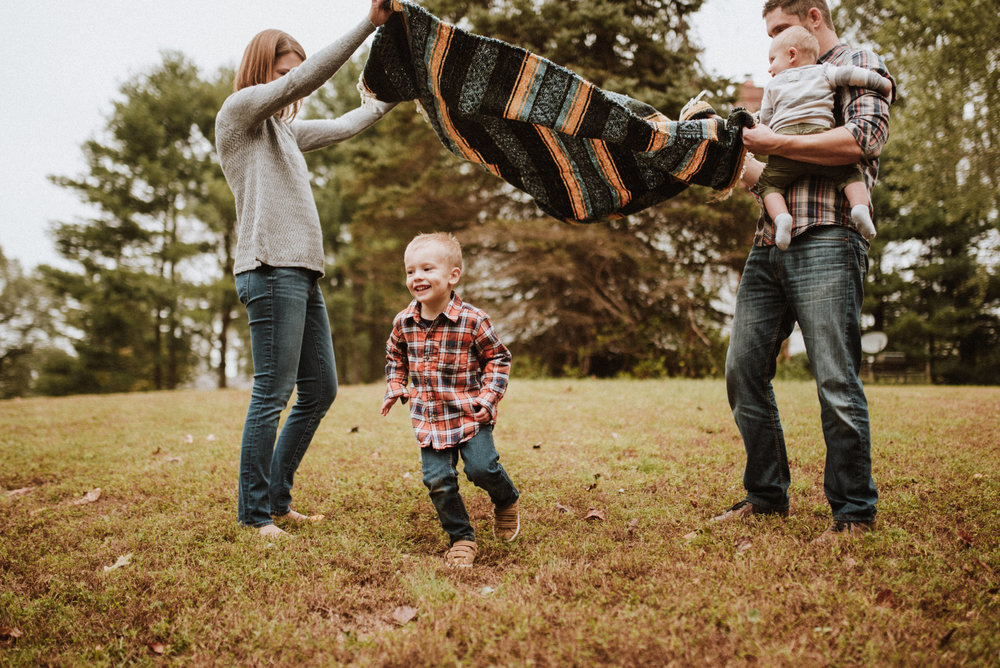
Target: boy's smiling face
column 430, row 278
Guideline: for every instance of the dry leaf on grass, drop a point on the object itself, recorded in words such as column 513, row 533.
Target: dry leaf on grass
column 404, row 614
column 157, row 648
column 486, row 591
column 563, row 509
column 596, row 514
column 633, row 526
column 172, row 460
column 123, row 560
column 89, row 497
column 743, row 544
column 188, row 438
column 886, row 598
column 965, row 537
column 20, row 492
column 537, row 446
column 691, row 536
column 9, row 634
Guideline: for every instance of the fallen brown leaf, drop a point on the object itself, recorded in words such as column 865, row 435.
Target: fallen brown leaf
column 595, row 514
column 886, row 598
column 157, row 648
column 123, row 560
column 89, row 497
column 743, row 544
column 403, row 614
column 691, row 536
column 965, row 537
column 20, row 492
column 9, row 634
column 562, row 509
column 633, row 526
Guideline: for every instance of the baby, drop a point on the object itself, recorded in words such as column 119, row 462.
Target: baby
column 799, row 100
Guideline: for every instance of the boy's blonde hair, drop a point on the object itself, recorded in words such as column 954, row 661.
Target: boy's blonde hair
column 451, row 250
column 801, row 39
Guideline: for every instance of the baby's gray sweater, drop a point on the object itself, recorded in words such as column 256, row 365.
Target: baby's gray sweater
column 805, row 94
column 276, row 218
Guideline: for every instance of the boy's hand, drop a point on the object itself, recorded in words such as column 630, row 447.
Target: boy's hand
column 387, row 404
column 482, row 415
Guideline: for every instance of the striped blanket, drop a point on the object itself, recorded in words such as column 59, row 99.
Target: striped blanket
column 584, row 154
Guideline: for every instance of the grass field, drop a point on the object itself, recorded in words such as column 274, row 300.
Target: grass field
column 155, row 570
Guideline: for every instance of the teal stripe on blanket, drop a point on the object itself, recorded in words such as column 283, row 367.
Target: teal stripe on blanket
column 582, row 153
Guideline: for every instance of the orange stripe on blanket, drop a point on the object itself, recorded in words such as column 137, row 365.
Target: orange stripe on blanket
column 578, row 107
column 439, row 52
column 610, row 172
column 696, row 159
column 525, row 82
column 566, row 172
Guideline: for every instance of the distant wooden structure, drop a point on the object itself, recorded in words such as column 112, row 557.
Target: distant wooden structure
column 750, row 96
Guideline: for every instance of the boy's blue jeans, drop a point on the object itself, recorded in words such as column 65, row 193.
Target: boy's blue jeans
column 482, row 467
column 292, row 348
column 819, row 282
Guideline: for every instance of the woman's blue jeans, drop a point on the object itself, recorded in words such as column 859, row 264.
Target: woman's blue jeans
column 292, row 349
column 818, row 282
column 482, row 467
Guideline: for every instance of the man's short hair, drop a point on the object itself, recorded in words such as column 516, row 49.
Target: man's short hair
column 800, row 8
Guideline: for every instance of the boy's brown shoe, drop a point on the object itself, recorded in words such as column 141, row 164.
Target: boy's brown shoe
column 507, row 522
column 461, row 554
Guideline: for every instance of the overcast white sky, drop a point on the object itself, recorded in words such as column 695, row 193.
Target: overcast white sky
column 63, row 62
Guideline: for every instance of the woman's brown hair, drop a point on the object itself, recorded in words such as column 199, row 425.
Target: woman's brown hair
column 257, row 66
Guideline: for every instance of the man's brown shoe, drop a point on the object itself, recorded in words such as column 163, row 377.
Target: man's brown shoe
column 844, row 529
column 745, row 509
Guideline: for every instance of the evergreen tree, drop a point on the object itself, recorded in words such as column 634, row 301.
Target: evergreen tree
column 130, row 298
column 937, row 287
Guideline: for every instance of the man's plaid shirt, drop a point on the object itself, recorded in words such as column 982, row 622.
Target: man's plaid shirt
column 456, row 365
column 813, row 200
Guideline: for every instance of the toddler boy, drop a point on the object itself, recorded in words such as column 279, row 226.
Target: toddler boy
column 458, row 370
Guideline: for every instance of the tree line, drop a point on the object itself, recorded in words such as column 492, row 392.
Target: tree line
column 146, row 299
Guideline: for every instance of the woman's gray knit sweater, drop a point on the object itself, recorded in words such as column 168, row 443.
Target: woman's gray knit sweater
column 261, row 156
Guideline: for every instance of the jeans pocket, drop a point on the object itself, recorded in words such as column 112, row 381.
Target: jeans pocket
column 243, row 287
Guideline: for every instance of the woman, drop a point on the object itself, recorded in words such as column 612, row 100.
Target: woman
column 279, row 253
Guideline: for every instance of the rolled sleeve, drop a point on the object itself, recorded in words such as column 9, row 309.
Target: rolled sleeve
column 866, row 112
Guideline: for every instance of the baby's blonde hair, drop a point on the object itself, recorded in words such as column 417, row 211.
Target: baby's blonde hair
column 801, row 39
column 451, row 250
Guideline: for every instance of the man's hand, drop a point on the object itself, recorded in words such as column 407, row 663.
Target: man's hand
column 482, row 415
column 387, row 404
column 762, row 140
column 380, row 12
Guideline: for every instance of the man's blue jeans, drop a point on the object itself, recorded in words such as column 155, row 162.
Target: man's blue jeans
column 292, row 348
column 482, row 467
column 819, row 282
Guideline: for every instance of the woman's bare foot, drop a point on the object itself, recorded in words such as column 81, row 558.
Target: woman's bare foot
column 299, row 518
column 271, row 531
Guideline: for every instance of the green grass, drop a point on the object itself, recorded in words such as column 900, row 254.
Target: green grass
column 658, row 457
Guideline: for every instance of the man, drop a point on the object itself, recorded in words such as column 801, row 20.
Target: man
column 819, row 283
